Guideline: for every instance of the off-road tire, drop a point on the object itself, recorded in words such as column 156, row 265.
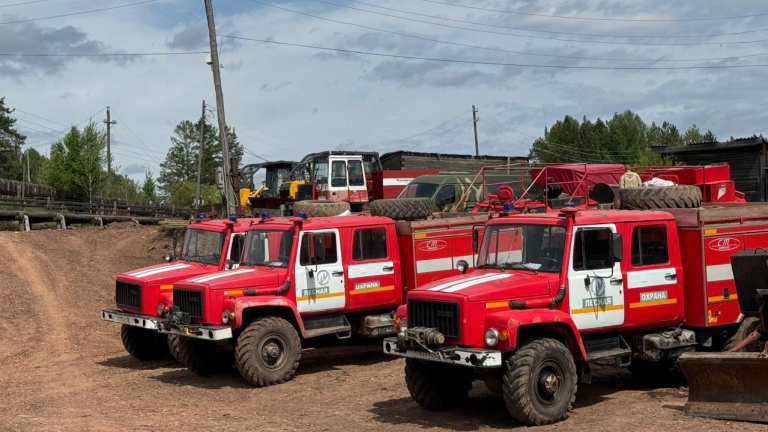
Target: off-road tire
column 407, row 209
column 437, row 387
column 320, row 208
column 252, row 351
column 523, row 386
column 203, row 358
column 660, row 197
column 144, row 344
column 747, row 326
column 173, row 346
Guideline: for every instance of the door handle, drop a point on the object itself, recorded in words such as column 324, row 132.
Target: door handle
column 670, row 276
column 338, row 273
column 388, row 268
column 617, row 281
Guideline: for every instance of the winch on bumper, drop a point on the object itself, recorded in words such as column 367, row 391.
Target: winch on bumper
column 179, row 323
column 131, row 319
column 425, row 344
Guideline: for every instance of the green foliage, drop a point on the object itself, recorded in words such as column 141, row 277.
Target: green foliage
column 180, row 163
column 624, row 138
column 148, row 189
column 183, row 194
column 10, row 144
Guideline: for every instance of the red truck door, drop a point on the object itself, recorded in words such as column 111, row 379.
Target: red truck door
column 319, row 280
column 654, row 274
column 371, row 268
column 595, row 286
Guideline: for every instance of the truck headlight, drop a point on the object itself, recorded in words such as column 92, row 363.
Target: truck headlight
column 403, row 325
column 491, row 337
column 225, row 317
column 462, row 266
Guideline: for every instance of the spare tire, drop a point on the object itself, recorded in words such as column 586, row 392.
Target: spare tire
column 408, row 209
column 660, row 197
column 320, row 208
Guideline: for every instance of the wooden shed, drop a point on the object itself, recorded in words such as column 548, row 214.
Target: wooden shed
column 746, row 157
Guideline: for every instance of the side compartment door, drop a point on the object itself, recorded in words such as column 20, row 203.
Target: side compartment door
column 595, row 281
column 371, row 270
column 319, row 279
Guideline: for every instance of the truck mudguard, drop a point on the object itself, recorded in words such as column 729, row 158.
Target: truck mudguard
column 240, row 304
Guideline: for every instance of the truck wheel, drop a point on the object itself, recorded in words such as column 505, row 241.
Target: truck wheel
column 320, row 208
column 173, row 346
column 747, row 326
column 204, row 358
column 143, row 344
column 650, row 198
column 268, row 352
column 437, row 387
column 540, row 382
column 408, row 209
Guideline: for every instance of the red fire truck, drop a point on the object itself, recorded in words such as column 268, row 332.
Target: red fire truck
column 553, row 291
column 143, row 294
column 300, row 279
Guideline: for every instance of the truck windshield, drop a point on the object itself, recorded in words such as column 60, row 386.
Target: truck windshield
column 418, row 190
column 267, row 248
column 202, row 246
column 528, row 247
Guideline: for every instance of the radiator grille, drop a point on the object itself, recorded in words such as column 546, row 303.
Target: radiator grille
column 444, row 316
column 128, row 294
column 190, row 301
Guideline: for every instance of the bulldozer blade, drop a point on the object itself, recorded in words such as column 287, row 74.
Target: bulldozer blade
column 727, row 386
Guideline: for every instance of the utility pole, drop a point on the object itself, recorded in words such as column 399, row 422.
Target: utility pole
column 200, row 155
column 109, row 123
column 474, row 123
column 229, row 190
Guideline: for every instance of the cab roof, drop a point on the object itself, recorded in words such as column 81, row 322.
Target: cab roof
column 242, row 224
column 322, row 222
column 588, row 217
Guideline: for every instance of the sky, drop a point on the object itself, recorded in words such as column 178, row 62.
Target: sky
column 286, row 101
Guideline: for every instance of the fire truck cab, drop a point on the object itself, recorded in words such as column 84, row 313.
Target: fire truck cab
column 142, row 295
column 553, row 291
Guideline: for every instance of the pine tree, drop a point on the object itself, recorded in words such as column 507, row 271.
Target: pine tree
column 10, row 145
column 148, row 189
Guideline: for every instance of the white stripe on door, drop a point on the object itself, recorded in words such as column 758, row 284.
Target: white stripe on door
column 371, row 269
column 649, row 278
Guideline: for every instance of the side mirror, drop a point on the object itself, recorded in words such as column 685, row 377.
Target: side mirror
column 228, row 264
column 440, row 201
column 476, row 237
column 618, row 248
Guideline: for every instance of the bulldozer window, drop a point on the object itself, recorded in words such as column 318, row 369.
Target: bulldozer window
column 356, row 175
column 338, row 174
column 592, row 249
column 649, row 245
column 369, row 244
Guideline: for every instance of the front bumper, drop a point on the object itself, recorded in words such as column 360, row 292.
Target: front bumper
column 471, row 357
column 131, row 319
column 196, row 331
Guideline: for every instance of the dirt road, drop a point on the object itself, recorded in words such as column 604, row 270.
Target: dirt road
column 62, row 368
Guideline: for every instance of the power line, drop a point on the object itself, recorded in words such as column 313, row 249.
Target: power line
column 599, row 18
column 487, row 63
column 37, row 116
column 24, row 3
column 452, row 119
column 554, row 31
column 439, row 134
column 572, row 57
column 77, row 13
column 103, row 54
column 542, row 37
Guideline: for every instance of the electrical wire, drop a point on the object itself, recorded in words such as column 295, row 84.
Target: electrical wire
column 420, row 133
column 599, row 18
column 102, row 54
column 570, row 57
column 487, row 63
column 77, row 13
column 543, row 37
column 37, row 116
column 24, row 3
column 557, row 32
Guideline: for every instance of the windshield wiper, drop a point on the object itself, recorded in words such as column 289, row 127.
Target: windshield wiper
column 517, row 265
column 494, row 266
